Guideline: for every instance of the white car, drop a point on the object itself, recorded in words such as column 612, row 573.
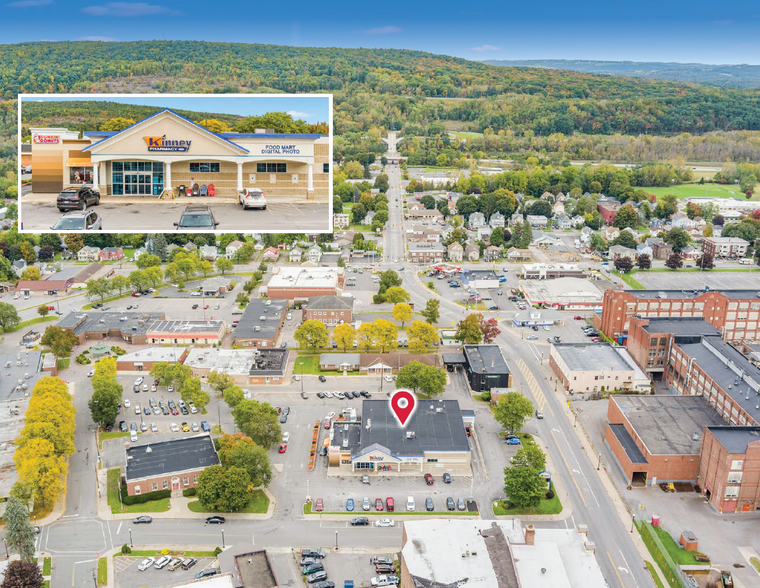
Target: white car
column 191, row 408
column 146, row 563
column 16, row 296
column 339, row 395
column 330, row 415
column 385, row 581
column 289, row 317
column 252, row 198
column 92, row 373
column 195, row 294
column 154, row 427
column 388, row 379
column 384, row 523
column 138, row 410
column 126, row 403
column 174, row 428
column 328, row 394
column 153, row 387
column 285, row 437
column 139, row 381
column 162, row 562
column 547, row 328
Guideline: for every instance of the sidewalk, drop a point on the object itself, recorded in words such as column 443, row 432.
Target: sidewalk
column 178, row 508
column 50, row 198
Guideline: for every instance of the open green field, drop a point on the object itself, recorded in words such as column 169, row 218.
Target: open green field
column 699, row 190
column 465, row 134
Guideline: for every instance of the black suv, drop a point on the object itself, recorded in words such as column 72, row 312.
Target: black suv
column 197, row 217
column 77, row 198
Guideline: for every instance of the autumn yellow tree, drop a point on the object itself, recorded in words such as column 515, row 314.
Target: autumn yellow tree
column 344, row 336
column 42, row 470
column 385, row 334
column 214, row 125
column 421, row 335
column 366, row 337
column 402, row 312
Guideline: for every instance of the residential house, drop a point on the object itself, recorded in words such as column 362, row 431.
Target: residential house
column 497, row 220
column 643, row 249
column 578, row 221
column 136, row 254
column 515, row 254
column 618, row 252
column 660, row 249
column 19, row 266
column 295, row 255
column 558, row 208
column 634, row 233
column 691, row 252
column 314, row 254
column 608, row 209
column 455, row 251
column 415, row 205
column 472, row 252
column 232, row 248
column 111, row 254
column 681, row 221
column 611, row 233
column 537, row 221
column 271, row 254
column 561, row 197
column 546, row 241
column 88, row 253
column 190, row 246
column 585, row 236
column 341, row 220
column 432, row 214
column 563, row 221
column 209, row 252
column 484, row 232
column 493, row 253
column 516, row 219
column 476, row 220
column 369, row 218
column 330, row 310
column 425, row 252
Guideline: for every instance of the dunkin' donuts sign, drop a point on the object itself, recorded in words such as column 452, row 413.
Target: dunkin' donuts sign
column 46, row 139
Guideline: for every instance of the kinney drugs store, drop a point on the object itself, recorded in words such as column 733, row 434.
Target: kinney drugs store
column 167, row 151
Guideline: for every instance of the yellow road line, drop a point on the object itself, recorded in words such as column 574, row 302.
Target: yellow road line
column 614, row 567
column 569, row 471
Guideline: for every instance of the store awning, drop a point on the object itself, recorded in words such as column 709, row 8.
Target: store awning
column 79, row 162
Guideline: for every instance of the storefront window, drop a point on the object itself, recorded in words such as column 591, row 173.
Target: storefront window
column 77, row 175
column 137, row 177
column 203, row 168
column 271, row 168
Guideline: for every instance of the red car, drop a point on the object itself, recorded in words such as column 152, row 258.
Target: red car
column 578, row 317
column 389, row 504
column 327, row 424
column 283, row 447
column 51, row 307
column 319, row 506
column 429, row 479
column 596, row 339
column 206, row 307
column 379, row 504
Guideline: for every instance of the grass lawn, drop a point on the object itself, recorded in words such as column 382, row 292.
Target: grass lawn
column 466, row 134
column 628, row 279
column 34, row 321
column 64, row 362
column 388, row 515
column 113, row 498
column 47, row 566
column 755, row 563
column 88, row 306
column 546, row 507
column 679, row 555
column 655, row 575
column 46, row 584
column 361, row 228
column 705, row 190
column 102, row 571
column 311, row 367
column 259, row 504
column 106, row 435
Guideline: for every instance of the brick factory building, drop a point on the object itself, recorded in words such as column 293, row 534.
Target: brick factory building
column 291, row 283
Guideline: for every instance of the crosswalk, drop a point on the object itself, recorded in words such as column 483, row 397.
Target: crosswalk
column 530, row 380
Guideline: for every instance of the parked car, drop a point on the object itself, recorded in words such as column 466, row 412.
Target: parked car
column 360, row 522
column 316, row 577
column 429, row 479
column 378, row 504
column 146, row 563
column 312, row 553
column 513, row 441
column 365, row 504
column 307, row 561
column 319, row 506
column 215, row 520
column 380, row 581
column 384, row 523
column 539, row 414
column 450, row 505
column 174, row 564
column 410, row 506
column 324, row 584
column 461, row 505
column 162, row 562
column 381, row 560
column 196, row 217
column 429, row 506
column 142, row 520
column 390, row 505
column 446, row 478
column 189, row 563
column 205, row 426
column 313, row 568
column 350, row 505
column 322, row 379
column 282, row 448
column 77, row 198
column 252, row 198
column 205, row 573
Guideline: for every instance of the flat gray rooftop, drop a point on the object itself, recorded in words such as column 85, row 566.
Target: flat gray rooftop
column 667, row 424
column 166, row 457
column 736, row 439
column 251, row 318
column 186, row 326
column 19, row 373
column 686, row 326
column 686, row 293
column 97, row 321
column 434, row 431
column 591, row 357
column 485, row 359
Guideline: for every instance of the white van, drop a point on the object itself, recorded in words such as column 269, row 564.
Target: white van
column 133, row 436
column 745, row 261
column 410, row 503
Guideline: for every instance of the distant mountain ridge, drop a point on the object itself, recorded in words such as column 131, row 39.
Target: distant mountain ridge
column 728, row 75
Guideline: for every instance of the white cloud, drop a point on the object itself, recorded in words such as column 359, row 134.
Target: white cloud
column 96, row 38
column 386, row 30
column 29, row 3
column 485, row 48
column 297, row 114
column 127, row 9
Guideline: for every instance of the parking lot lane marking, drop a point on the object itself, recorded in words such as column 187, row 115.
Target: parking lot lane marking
column 614, row 567
column 570, row 471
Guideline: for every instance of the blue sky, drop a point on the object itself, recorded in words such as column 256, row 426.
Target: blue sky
column 311, row 109
column 640, row 30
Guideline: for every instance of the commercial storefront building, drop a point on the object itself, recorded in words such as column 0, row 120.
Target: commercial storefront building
column 167, row 150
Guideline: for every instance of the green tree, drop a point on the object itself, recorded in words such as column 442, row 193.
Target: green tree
column 401, row 312
column 623, row 264
column 223, row 265
column 224, row 489
column 512, row 410
column 674, row 261
column 644, row 261
column 396, row 294
column 626, row 216
column 259, row 421
column 153, row 276
column 428, row 201
column 219, row 382
column 678, row 238
column 104, row 405
column 170, row 374
column 233, row 396
column 192, row 393
column 388, row 279
column 530, row 455
column 431, row 312
column 523, row 487
column 43, row 310
column 120, row 283
column 312, row 335
column 241, row 452
column 469, row 331
column 147, row 260
column 19, row 533
column 422, row 336
column 425, row 379
column 625, row 239
column 384, row 334
column 98, row 287
column 60, row 341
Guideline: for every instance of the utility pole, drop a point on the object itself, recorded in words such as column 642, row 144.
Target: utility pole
column 130, row 537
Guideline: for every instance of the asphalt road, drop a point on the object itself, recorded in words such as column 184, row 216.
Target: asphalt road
column 118, row 218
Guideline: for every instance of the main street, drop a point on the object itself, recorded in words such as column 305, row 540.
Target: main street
column 620, row 561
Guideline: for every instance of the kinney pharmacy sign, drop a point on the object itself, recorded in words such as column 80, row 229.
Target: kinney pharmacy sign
column 164, row 144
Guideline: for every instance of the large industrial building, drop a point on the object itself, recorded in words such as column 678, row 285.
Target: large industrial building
column 562, row 293
column 301, row 283
column 260, row 324
column 594, row 367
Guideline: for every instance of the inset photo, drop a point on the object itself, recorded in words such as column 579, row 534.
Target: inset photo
column 147, row 163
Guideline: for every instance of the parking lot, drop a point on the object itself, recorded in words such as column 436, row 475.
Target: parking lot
column 343, row 566
column 128, row 575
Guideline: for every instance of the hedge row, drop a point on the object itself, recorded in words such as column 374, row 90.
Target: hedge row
column 660, row 555
column 143, row 498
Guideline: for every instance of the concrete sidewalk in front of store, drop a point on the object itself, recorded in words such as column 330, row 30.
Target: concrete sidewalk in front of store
column 50, row 198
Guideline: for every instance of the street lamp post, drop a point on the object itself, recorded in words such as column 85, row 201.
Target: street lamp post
column 223, row 546
column 300, row 365
column 633, row 521
column 336, row 540
column 130, row 537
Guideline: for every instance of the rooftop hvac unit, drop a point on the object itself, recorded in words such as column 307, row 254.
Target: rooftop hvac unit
column 257, row 328
column 262, row 318
column 148, row 449
column 410, row 435
column 369, row 424
column 695, row 437
column 345, row 443
column 439, row 410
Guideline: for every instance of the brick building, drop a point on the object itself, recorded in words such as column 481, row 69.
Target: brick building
column 583, row 367
column 170, row 332
column 260, row 324
column 330, row 310
column 292, row 283
column 425, row 252
column 168, row 465
column 608, row 210
column 131, row 327
column 735, row 313
column 729, row 468
column 725, row 247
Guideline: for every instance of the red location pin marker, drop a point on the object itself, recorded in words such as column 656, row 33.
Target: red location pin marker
column 403, row 404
